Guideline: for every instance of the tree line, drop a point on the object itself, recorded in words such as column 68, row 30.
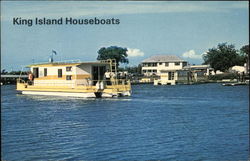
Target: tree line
column 225, row 56
column 220, row 58
column 5, row 72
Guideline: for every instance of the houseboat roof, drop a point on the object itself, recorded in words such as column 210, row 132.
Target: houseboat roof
column 51, row 64
column 163, row 58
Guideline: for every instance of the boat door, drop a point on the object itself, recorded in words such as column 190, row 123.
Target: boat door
column 98, row 73
column 36, row 72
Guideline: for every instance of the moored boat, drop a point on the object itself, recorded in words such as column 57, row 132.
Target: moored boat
column 235, row 84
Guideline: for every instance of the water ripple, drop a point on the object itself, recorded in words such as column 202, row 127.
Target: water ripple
column 201, row 122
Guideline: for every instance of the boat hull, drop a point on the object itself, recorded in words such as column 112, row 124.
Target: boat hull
column 77, row 94
column 79, row 91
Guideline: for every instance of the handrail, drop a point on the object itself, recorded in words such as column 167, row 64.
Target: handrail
column 21, row 73
column 63, row 61
column 19, row 80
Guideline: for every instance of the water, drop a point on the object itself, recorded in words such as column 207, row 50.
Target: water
column 195, row 122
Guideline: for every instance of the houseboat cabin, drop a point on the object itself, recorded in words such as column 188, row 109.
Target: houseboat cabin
column 79, row 79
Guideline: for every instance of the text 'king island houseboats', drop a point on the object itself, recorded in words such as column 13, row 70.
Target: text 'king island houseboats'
column 77, row 79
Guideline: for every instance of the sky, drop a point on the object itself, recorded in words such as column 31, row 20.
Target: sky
column 183, row 28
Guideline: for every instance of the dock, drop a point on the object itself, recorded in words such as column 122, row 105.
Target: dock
column 235, row 84
column 11, row 79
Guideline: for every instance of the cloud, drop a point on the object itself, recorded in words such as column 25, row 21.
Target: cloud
column 134, row 52
column 79, row 9
column 192, row 55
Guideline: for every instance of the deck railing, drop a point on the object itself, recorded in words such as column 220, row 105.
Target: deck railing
column 88, row 83
column 60, row 62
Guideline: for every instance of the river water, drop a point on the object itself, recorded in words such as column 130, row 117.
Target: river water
column 182, row 122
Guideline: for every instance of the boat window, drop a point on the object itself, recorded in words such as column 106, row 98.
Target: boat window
column 45, row 72
column 35, row 72
column 69, row 77
column 177, row 63
column 166, row 64
column 59, row 73
column 68, row 69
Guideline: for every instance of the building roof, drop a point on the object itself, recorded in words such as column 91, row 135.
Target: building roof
column 197, row 67
column 163, row 58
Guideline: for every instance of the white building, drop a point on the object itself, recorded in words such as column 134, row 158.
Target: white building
column 239, row 69
column 157, row 64
column 206, row 69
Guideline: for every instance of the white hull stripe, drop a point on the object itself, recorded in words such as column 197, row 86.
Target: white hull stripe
column 70, row 94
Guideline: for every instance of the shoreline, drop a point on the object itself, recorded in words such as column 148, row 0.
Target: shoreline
column 191, row 83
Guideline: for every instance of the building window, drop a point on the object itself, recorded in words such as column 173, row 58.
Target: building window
column 154, row 71
column 149, row 70
column 160, row 63
column 184, row 64
column 177, row 63
column 68, row 69
column 144, row 71
column 69, row 77
column 166, row 64
column 170, row 75
column 182, row 73
column 59, row 73
column 152, row 64
column 200, row 73
column 45, row 72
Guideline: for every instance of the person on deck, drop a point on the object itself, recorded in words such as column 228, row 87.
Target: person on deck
column 31, row 78
column 107, row 75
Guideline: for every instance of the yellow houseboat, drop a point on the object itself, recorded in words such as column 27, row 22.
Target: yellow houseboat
column 78, row 79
